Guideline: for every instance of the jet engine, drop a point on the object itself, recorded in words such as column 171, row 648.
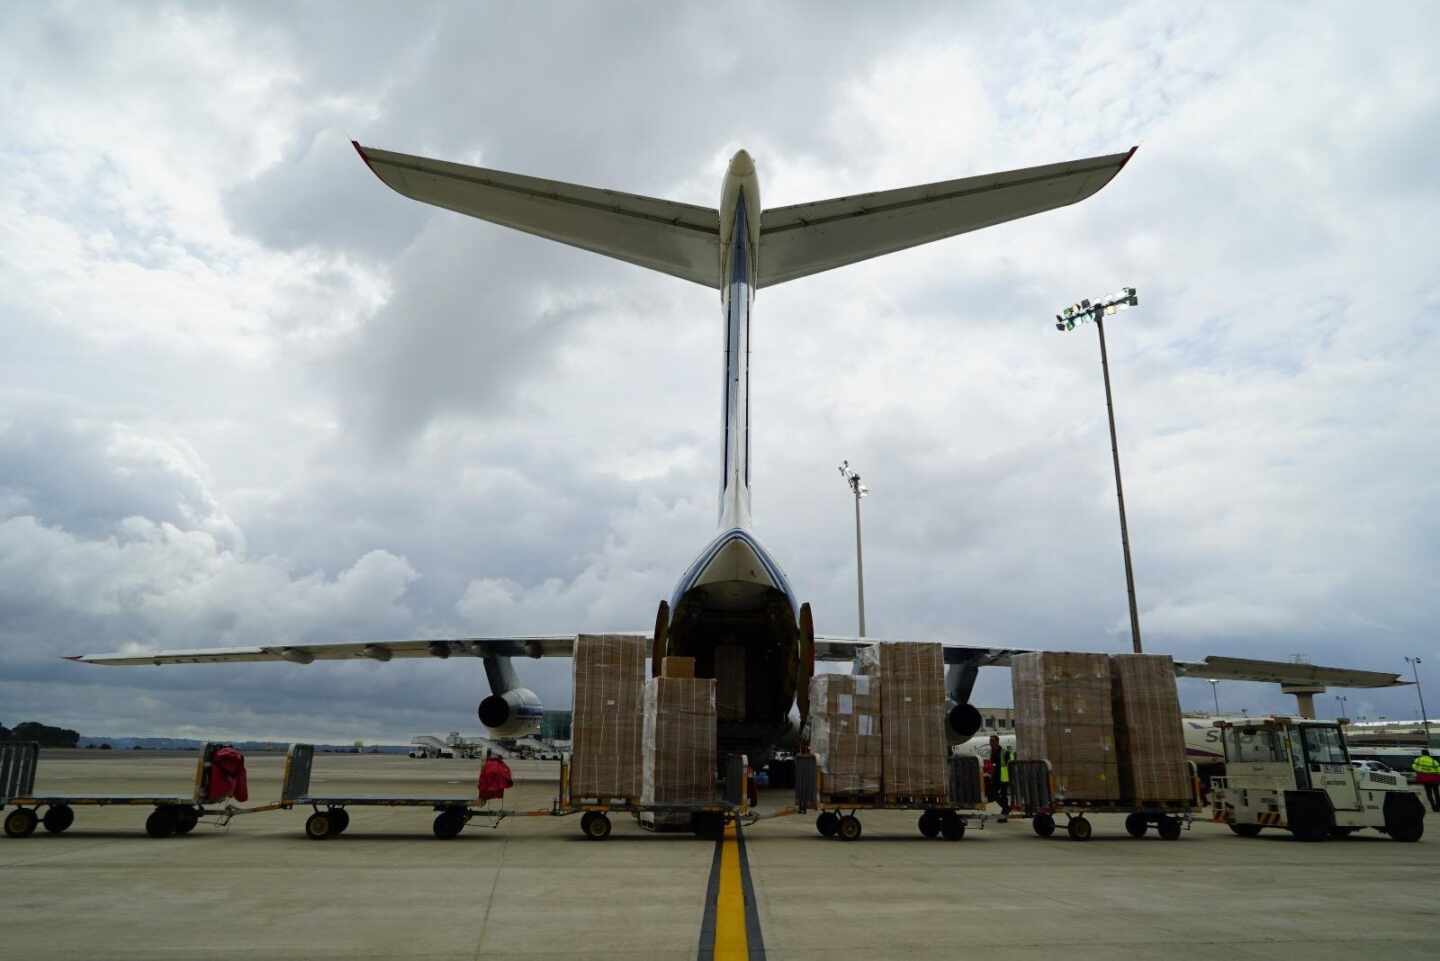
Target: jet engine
column 961, row 722
column 516, row 713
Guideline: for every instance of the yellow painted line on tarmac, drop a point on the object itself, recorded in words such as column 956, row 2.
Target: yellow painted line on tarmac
column 730, row 941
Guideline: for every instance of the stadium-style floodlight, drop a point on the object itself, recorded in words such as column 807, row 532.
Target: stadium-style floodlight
column 1415, row 663
column 852, row 480
column 1342, row 700
column 1066, row 320
column 1215, row 690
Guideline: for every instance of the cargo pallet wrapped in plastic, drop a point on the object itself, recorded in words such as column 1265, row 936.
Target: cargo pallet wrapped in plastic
column 607, row 726
column 912, row 718
column 1064, row 714
column 679, row 755
column 1149, row 737
column 845, row 735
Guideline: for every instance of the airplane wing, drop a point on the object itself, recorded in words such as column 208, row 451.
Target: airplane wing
column 678, row 239
column 808, row 238
column 1220, row 668
column 547, row 645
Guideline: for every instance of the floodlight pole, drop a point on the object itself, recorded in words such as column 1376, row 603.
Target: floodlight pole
column 1119, row 490
column 852, row 480
column 1414, row 663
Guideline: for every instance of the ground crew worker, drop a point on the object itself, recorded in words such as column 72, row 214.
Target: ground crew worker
column 1427, row 772
column 1006, row 756
column 494, row 778
column 995, row 754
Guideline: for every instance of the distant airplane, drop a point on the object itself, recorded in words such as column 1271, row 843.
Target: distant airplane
column 734, row 596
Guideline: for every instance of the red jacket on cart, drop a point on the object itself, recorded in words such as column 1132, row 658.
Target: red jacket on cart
column 494, row 779
column 227, row 776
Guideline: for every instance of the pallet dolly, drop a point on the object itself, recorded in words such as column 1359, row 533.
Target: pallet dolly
column 1035, row 794
column 173, row 813
column 945, row 816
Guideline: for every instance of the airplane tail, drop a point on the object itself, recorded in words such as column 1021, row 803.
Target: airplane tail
column 684, row 240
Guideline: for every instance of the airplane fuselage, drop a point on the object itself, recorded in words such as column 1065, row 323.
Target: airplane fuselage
column 735, row 595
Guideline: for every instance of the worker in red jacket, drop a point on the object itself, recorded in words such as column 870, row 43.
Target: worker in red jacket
column 494, row 778
column 227, row 776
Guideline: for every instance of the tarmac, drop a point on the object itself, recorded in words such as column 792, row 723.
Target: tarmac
column 533, row 888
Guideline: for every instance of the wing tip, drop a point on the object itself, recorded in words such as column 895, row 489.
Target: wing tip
column 361, row 151
column 74, row 657
column 1127, row 159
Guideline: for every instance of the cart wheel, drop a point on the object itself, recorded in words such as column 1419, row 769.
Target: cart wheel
column 585, row 819
column 1079, row 829
column 930, row 824
column 597, row 828
column 448, row 823
column 317, row 826
column 162, row 822
column 185, row 820
column 58, row 819
column 827, row 824
column 952, row 826
column 849, row 828
column 708, row 824
column 1246, row 830
column 1169, row 827
column 339, row 821
column 20, row 823
column 1043, row 824
column 1136, row 825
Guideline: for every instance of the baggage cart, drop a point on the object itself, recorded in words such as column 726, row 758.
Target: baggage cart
column 171, row 814
column 1034, row 794
column 944, row 816
column 330, row 817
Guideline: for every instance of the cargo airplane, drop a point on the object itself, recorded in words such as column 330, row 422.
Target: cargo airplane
column 735, row 594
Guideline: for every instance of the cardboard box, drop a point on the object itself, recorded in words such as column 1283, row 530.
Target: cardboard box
column 1064, row 714
column 1149, row 734
column 845, row 694
column 607, row 726
column 679, row 753
column 912, row 716
column 677, row 667
column 730, row 682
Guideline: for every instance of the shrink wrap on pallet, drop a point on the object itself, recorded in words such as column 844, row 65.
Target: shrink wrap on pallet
column 845, row 733
column 730, row 682
column 679, row 741
column 607, row 725
column 1149, row 736
column 912, row 716
column 1064, row 714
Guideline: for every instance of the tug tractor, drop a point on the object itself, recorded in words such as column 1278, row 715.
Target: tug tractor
column 1295, row 775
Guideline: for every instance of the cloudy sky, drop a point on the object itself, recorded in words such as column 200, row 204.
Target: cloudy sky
column 250, row 395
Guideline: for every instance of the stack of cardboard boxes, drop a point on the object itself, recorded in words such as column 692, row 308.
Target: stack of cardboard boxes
column 1149, row 736
column 679, row 753
column 912, row 716
column 1064, row 714
column 845, row 733
column 607, row 726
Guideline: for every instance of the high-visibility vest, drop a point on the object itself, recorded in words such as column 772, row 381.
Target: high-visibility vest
column 1006, row 757
column 1425, row 764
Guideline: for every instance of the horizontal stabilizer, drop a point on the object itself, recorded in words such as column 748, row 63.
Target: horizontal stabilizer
column 678, row 239
column 808, row 238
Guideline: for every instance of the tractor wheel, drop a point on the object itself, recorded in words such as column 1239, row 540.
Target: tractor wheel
column 1043, row 824
column 1170, row 827
column 1404, row 817
column 58, row 819
column 849, row 828
column 162, row 822
column 1341, row 833
column 1079, row 829
column 1136, row 825
column 952, row 826
column 930, row 824
column 20, row 823
column 1246, row 830
column 828, row 823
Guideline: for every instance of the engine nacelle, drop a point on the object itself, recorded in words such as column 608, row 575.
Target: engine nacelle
column 516, row 713
column 961, row 722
